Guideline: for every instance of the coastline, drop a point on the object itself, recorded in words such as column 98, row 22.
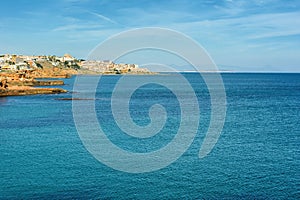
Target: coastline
column 21, row 87
column 26, row 90
column 24, row 82
column 20, row 74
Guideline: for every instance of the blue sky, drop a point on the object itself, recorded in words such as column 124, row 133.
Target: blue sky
column 240, row 35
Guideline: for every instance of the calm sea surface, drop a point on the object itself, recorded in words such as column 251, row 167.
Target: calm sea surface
column 256, row 157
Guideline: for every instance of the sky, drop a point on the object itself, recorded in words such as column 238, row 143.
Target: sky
column 239, row 35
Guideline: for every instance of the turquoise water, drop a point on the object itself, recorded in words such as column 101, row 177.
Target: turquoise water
column 256, row 157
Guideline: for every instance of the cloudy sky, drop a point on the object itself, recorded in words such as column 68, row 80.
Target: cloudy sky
column 240, row 35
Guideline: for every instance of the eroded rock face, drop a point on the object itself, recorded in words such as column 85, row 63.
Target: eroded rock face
column 26, row 78
column 20, row 91
column 3, row 82
column 19, row 83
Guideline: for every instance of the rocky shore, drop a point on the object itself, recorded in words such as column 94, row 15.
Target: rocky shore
column 23, row 82
column 26, row 90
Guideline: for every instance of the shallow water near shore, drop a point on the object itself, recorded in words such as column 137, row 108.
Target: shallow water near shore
column 256, row 157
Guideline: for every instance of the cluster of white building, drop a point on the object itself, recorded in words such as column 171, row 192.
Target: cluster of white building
column 10, row 62
column 107, row 66
column 13, row 62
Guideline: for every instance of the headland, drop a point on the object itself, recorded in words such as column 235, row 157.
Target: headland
column 19, row 74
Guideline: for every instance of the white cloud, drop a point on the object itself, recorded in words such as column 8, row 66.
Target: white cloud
column 76, row 27
column 103, row 17
column 250, row 27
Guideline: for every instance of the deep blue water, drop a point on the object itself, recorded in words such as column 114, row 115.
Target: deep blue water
column 256, row 157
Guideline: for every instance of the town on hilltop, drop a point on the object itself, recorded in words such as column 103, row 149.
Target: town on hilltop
column 14, row 63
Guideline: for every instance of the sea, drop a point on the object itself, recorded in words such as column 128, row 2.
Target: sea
column 257, row 155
